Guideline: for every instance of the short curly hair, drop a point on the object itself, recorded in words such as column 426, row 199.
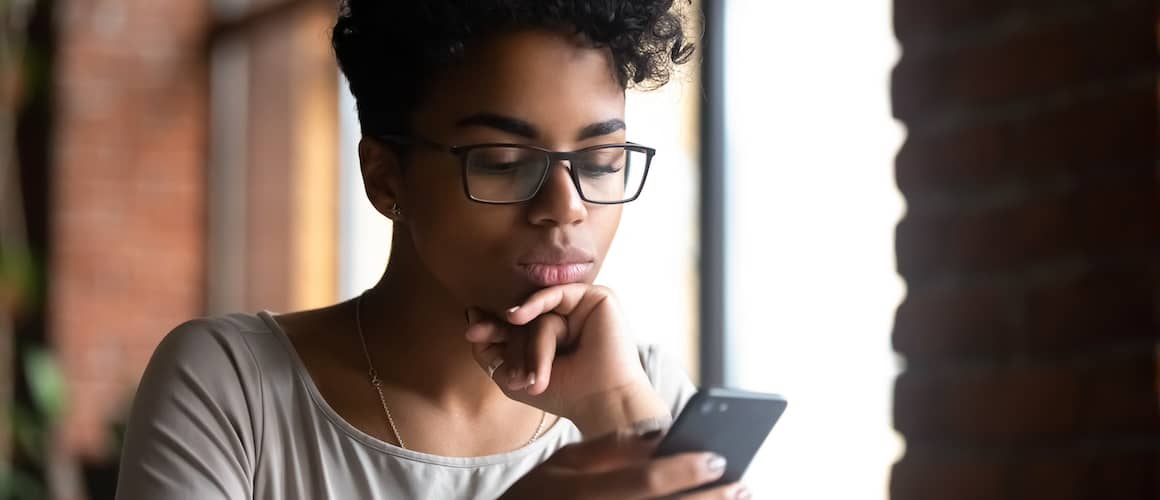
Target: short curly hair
column 389, row 50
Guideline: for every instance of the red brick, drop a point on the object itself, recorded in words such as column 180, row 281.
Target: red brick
column 1029, row 249
column 1095, row 309
column 998, row 239
column 1055, row 477
column 1126, row 476
column 1120, row 214
column 963, row 407
column 129, row 192
column 946, row 479
column 918, row 19
column 1016, row 235
column 956, row 323
column 1112, row 44
column 1113, row 132
column 1067, row 476
column 1028, row 473
column 1039, row 402
column 1095, row 220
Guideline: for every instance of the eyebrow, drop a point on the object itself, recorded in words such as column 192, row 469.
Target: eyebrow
column 522, row 128
column 602, row 128
column 500, row 122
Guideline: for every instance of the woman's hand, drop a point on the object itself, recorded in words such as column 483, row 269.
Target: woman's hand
column 565, row 350
column 620, row 466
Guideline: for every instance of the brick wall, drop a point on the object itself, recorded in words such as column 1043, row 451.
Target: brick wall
column 1031, row 250
column 128, row 195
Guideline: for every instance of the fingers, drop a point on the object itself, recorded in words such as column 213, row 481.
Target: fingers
column 486, row 332
column 489, row 357
column 516, row 376
column 565, row 300
column 540, row 351
column 484, row 328
column 530, row 353
column 662, row 477
column 620, row 465
column 734, row 491
column 516, row 360
column 612, row 451
column 488, row 344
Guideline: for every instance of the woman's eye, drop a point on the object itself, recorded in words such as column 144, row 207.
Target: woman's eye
column 497, row 168
column 599, row 170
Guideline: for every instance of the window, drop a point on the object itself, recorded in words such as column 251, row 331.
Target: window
column 810, row 208
column 273, row 208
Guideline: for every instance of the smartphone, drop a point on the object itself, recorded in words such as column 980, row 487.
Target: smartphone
column 729, row 422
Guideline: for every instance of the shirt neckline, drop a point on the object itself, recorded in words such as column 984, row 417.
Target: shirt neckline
column 307, row 381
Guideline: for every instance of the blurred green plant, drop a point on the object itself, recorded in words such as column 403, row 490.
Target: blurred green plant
column 25, row 436
column 32, row 384
column 31, row 426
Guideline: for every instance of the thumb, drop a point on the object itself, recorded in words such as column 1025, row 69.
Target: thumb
column 611, row 451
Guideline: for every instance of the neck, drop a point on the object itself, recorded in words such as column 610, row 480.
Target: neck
column 414, row 329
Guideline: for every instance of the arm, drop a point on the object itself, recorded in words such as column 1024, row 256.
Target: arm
column 191, row 430
column 652, row 405
column 565, row 350
column 637, row 407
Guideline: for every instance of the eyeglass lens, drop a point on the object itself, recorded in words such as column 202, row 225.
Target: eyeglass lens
column 505, row 174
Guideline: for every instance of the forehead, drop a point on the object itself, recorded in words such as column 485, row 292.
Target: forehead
column 548, row 79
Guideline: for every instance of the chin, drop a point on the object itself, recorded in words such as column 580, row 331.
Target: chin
column 501, row 291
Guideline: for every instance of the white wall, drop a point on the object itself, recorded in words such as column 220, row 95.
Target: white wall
column 653, row 261
column 364, row 235
column 811, row 210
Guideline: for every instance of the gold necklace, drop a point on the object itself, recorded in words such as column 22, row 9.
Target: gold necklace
column 377, row 383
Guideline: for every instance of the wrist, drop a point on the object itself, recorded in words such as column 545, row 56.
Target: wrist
column 636, row 406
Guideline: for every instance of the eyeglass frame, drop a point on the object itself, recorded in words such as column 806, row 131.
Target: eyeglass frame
column 554, row 157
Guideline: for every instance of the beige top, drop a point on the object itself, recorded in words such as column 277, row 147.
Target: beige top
column 227, row 410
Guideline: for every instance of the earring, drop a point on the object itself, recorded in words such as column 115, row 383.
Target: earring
column 395, row 210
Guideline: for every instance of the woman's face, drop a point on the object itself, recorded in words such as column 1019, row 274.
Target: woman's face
column 535, row 88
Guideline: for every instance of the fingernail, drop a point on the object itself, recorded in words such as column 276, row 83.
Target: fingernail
column 716, row 464
column 742, row 493
column 515, row 380
column 513, row 309
column 650, row 435
column 493, row 366
column 531, row 379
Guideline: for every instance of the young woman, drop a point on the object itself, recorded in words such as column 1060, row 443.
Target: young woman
column 484, row 363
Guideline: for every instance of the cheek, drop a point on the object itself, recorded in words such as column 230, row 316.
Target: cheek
column 466, row 248
column 470, row 249
column 603, row 222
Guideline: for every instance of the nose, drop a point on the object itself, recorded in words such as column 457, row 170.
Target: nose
column 558, row 203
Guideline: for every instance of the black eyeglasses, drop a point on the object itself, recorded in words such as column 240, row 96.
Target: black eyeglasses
column 608, row 174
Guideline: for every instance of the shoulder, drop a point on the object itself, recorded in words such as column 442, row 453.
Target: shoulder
column 195, row 424
column 211, row 342
column 667, row 376
column 209, row 354
column 222, row 328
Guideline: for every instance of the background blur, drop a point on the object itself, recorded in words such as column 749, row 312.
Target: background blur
column 933, row 226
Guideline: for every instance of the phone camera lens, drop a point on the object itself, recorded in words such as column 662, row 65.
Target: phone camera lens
column 723, row 407
column 707, row 407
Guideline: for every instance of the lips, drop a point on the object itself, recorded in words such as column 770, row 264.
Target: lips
column 555, row 274
column 556, row 266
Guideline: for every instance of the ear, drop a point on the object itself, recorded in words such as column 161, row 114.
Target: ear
column 382, row 176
